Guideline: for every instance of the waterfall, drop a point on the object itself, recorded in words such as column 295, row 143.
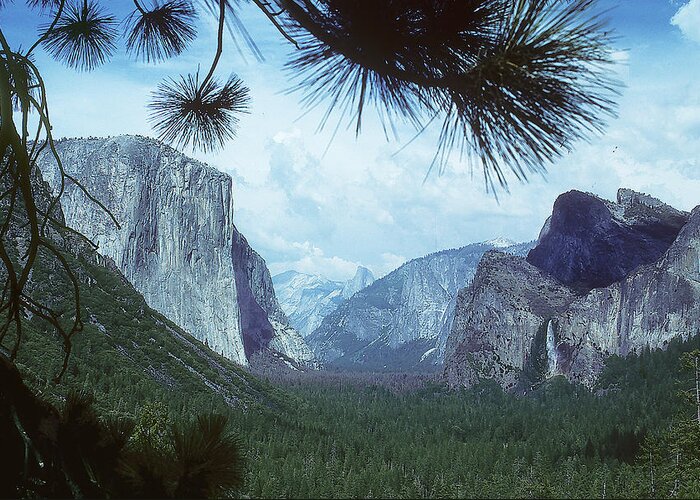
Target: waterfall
column 551, row 351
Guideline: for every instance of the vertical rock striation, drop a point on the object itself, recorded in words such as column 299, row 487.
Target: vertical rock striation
column 177, row 244
column 262, row 318
column 362, row 279
column 499, row 330
column 651, row 306
column 519, row 324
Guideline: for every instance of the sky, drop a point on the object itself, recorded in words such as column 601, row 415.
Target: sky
column 322, row 204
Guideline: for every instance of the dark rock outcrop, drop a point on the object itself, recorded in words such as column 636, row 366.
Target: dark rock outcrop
column 589, row 242
column 520, row 325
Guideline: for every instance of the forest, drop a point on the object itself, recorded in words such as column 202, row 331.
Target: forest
column 630, row 437
column 334, row 435
column 323, row 434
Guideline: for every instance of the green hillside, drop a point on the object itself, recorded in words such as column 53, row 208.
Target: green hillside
column 129, row 354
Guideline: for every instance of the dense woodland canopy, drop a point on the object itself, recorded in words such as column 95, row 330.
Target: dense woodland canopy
column 394, row 435
column 391, row 435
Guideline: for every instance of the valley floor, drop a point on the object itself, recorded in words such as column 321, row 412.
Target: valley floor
column 409, row 437
column 323, row 435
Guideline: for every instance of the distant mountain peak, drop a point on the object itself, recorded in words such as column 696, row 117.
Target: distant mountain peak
column 307, row 298
column 363, row 278
column 363, row 271
column 500, row 242
column 402, row 320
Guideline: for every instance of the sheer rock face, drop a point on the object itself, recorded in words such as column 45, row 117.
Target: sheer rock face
column 362, row 279
column 589, row 242
column 519, row 325
column 498, row 318
column 307, row 299
column 177, row 243
column 399, row 321
column 652, row 305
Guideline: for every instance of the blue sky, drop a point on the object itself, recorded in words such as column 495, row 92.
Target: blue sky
column 359, row 202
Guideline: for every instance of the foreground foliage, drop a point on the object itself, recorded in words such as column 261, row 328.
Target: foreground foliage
column 72, row 452
column 340, row 436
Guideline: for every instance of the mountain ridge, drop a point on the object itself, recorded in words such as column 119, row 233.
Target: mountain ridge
column 308, row 298
column 126, row 350
column 589, row 242
column 178, row 243
column 399, row 320
column 521, row 344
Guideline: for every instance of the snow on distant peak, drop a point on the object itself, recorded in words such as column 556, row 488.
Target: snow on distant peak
column 500, row 242
column 307, row 299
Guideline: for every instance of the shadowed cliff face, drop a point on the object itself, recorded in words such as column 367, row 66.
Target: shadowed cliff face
column 590, row 243
column 177, row 243
column 519, row 324
column 264, row 325
column 255, row 325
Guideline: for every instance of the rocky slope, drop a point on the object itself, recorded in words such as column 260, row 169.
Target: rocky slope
column 126, row 351
column 125, row 358
column 520, row 325
column 307, row 299
column 400, row 321
column 589, row 242
column 177, row 243
column 497, row 331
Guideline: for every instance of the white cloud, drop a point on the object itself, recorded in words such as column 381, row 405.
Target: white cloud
column 311, row 260
column 621, row 56
column 361, row 203
column 688, row 20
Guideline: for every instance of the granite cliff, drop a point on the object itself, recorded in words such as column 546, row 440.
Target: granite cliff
column 177, row 243
column 522, row 321
column 401, row 321
column 497, row 330
column 125, row 349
